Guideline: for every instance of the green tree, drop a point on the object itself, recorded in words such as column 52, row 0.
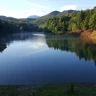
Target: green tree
column 92, row 21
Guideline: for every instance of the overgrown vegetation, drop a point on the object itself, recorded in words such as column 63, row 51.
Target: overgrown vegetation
column 10, row 26
column 55, row 22
column 75, row 22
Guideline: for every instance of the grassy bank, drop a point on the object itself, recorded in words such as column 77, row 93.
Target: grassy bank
column 49, row 90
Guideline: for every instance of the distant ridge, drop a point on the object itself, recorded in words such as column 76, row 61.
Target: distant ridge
column 57, row 13
column 5, row 17
column 40, row 20
column 16, row 19
column 43, row 19
column 52, row 14
column 67, row 12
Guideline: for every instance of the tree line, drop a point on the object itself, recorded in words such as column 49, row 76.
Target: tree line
column 10, row 26
column 75, row 22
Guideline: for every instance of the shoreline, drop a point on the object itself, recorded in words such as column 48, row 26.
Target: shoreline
column 85, row 33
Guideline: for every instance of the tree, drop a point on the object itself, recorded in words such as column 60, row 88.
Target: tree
column 92, row 21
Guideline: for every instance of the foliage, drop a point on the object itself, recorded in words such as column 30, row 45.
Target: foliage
column 54, row 22
column 75, row 22
column 9, row 26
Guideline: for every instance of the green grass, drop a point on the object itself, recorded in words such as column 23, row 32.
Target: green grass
column 67, row 90
column 49, row 90
column 16, row 90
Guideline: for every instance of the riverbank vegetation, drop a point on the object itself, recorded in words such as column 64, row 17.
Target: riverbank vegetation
column 77, row 22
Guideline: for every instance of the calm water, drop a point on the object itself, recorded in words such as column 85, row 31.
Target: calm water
column 39, row 59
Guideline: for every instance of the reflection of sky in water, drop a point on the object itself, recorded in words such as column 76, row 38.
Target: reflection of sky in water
column 28, row 47
column 37, row 45
column 31, row 61
column 39, row 35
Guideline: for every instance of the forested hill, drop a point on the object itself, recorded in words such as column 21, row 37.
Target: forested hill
column 15, row 19
column 75, row 22
column 12, row 25
column 43, row 19
column 9, row 26
column 55, row 22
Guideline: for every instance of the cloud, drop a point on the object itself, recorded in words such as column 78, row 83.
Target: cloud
column 35, row 5
column 69, row 7
column 25, row 8
column 36, row 9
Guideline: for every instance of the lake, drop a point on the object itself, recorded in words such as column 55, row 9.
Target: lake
column 29, row 58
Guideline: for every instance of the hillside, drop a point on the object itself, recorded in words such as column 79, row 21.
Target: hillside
column 53, row 14
column 70, row 21
column 67, row 12
column 75, row 23
column 15, row 19
column 7, row 18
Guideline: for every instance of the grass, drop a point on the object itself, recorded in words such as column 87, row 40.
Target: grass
column 49, row 90
column 67, row 90
column 16, row 90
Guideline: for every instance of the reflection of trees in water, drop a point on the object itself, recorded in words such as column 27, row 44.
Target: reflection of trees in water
column 19, row 37
column 7, row 40
column 2, row 47
column 84, row 48
column 15, row 37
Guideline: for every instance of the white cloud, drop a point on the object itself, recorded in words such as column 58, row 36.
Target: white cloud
column 34, row 5
column 69, row 7
column 36, row 9
column 25, row 8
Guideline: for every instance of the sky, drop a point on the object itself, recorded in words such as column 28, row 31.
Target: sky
column 25, row 8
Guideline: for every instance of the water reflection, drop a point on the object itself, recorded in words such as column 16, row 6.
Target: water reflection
column 44, row 59
column 2, row 47
column 84, row 48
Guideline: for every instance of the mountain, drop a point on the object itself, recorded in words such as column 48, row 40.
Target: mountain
column 7, row 18
column 40, row 20
column 67, row 12
column 15, row 19
column 43, row 19
column 33, row 16
column 57, row 13
column 52, row 14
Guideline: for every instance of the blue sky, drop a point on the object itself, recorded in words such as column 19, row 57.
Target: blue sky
column 25, row 8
